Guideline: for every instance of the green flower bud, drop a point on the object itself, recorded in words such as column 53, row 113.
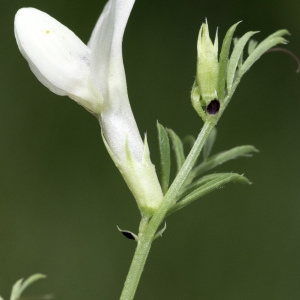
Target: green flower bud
column 219, row 75
column 207, row 66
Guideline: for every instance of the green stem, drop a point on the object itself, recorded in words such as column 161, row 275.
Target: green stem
column 146, row 237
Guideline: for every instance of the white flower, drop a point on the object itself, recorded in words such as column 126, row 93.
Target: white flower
column 93, row 75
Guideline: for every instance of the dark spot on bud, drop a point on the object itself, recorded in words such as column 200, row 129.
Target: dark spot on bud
column 128, row 234
column 213, row 107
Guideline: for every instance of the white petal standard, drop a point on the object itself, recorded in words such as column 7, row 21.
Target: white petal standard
column 107, row 69
column 107, row 66
column 58, row 58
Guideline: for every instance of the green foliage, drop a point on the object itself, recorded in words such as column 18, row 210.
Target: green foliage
column 271, row 41
column 223, row 63
column 237, row 67
column 206, row 185
column 231, row 67
column 195, row 187
column 178, row 148
column 235, row 57
column 19, row 287
column 165, row 157
column 221, row 158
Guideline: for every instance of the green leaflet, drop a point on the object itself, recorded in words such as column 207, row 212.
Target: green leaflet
column 235, row 57
column 217, row 181
column 271, row 41
column 21, row 285
column 165, row 157
column 223, row 61
column 178, row 148
column 221, row 158
column 196, row 184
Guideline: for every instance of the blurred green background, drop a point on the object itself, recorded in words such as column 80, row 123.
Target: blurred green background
column 61, row 197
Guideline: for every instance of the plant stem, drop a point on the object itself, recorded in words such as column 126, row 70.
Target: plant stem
column 146, row 237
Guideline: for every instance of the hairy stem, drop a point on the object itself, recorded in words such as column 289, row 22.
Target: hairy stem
column 146, row 237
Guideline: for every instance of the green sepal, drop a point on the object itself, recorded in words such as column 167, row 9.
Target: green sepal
column 21, row 285
column 197, row 101
column 160, row 232
column 220, row 158
column 235, row 57
column 223, row 61
column 140, row 177
column 178, row 148
column 271, row 41
column 165, row 157
column 209, row 143
column 213, row 182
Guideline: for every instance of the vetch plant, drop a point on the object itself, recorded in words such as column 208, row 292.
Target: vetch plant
column 93, row 75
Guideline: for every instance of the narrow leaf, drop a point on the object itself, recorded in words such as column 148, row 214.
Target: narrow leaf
column 196, row 184
column 209, row 143
column 271, row 41
column 278, row 33
column 178, row 148
column 235, row 57
column 221, row 158
column 208, row 187
column 165, row 157
column 21, row 285
column 223, row 61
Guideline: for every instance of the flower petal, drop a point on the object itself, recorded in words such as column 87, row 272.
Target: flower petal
column 57, row 57
column 107, row 67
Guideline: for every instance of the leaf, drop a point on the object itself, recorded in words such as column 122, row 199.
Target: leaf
column 21, row 285
column 178, row 148
column 223, row 62
column 221, row 158
column 235, row 57
column 271, row 41
column 251, row 46
column 196, row 184
column 165, row 157
column 209, row 143
column 219, row 181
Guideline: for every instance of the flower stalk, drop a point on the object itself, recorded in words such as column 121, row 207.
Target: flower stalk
column 145, row 240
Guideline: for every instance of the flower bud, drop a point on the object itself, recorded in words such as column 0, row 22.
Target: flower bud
column 207, row 66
